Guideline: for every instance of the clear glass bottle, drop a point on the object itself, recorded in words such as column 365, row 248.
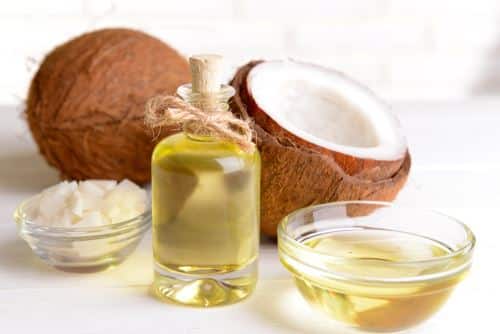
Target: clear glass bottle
column 206, row 195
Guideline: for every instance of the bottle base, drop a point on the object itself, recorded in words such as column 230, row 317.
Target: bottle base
column 205, row 290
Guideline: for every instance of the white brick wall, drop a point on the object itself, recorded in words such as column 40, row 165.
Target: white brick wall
column 402, row 49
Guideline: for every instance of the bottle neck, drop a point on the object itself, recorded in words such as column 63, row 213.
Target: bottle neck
column 212, row 102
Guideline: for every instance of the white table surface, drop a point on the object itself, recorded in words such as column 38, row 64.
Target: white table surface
column 456, row 168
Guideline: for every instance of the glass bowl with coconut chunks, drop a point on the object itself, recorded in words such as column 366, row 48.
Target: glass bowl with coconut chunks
column 85, row 226
column 375, row 266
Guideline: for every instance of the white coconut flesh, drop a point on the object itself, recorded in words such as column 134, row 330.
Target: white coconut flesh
column 325, row 108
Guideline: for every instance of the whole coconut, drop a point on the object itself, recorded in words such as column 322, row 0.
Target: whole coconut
column 85, row 106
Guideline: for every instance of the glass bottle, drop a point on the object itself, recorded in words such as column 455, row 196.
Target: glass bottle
column 206, row 195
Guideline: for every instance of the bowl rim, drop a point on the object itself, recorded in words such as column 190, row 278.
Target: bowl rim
column 288, row 240
column 20, row 217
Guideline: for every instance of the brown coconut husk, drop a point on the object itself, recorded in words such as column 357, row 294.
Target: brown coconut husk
column 85, row 106
column 297, row 174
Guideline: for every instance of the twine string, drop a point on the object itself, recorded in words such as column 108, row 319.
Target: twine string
column 172, row 111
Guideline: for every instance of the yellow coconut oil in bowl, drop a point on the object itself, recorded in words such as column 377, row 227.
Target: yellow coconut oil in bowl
column 385, row 271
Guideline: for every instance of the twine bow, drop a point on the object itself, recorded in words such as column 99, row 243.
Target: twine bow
column 171, row 110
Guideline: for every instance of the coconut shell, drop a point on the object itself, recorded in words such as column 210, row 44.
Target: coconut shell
column 297, row 174
column 85, row 106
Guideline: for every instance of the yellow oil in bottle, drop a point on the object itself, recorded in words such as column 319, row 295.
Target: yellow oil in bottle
column 206, row 197
column 205, row 220
column 381, row 305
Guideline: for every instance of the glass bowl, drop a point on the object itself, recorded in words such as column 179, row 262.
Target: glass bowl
column 81, row 249
column 373, row 265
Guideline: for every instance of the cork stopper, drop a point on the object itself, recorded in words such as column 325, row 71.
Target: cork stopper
column 205, row 71
column 202, row 109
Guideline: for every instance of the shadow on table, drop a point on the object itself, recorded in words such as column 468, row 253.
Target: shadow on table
column 16, row 256
column 279, row 303
column 25, row 172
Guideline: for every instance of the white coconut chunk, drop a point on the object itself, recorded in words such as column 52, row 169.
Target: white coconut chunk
column 111, row 211
column 122, row 215
column 124, row 202
column 53, row 200
column 66, row 219
column 92, row 219
column 75, row 203
column 325, row 108
column 105, row 185
column 88, row 203
column 128, row 185
column 92, row 188
column 66, row 188
column 63, row 188
column 92, row 195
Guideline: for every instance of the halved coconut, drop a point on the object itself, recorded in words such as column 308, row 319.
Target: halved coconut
column 322, row 136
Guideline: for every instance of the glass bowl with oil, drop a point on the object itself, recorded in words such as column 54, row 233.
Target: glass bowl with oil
column 81, row 249
column 373, row 265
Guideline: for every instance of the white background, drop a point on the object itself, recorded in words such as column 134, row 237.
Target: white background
column 438, row 61
column 403, row 49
